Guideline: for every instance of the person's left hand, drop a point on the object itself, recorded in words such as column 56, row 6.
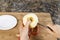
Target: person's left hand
column 24, row 31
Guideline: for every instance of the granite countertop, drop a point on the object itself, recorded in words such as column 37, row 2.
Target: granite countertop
column 28, row 5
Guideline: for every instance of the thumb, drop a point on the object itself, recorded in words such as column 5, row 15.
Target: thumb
column 27, row 23
column 26, row 28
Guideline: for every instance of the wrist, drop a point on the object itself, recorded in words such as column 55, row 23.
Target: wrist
column 24, row 37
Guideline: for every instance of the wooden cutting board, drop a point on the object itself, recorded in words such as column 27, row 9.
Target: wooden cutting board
column 44, row 18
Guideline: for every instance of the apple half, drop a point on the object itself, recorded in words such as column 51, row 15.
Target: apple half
column 33, row 18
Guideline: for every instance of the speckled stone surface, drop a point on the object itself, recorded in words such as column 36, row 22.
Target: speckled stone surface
column 50, row 6
column 28, row 5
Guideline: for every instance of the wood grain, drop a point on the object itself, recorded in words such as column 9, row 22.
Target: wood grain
column 44, row 18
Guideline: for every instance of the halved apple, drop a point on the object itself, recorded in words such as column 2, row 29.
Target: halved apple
column 33, row 18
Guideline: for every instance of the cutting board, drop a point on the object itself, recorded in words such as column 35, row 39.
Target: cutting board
column 44, row 18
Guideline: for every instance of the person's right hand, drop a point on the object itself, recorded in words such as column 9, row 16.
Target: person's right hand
column 56, row 29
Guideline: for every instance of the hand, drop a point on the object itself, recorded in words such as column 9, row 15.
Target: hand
column 24, row 31
column 56, row 29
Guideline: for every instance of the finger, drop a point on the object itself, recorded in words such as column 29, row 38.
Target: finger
column 50, row 26
column 53, row 28
column 27, row 24
column 26, row 27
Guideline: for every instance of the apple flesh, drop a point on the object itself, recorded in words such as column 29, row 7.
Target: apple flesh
column 33, row 18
